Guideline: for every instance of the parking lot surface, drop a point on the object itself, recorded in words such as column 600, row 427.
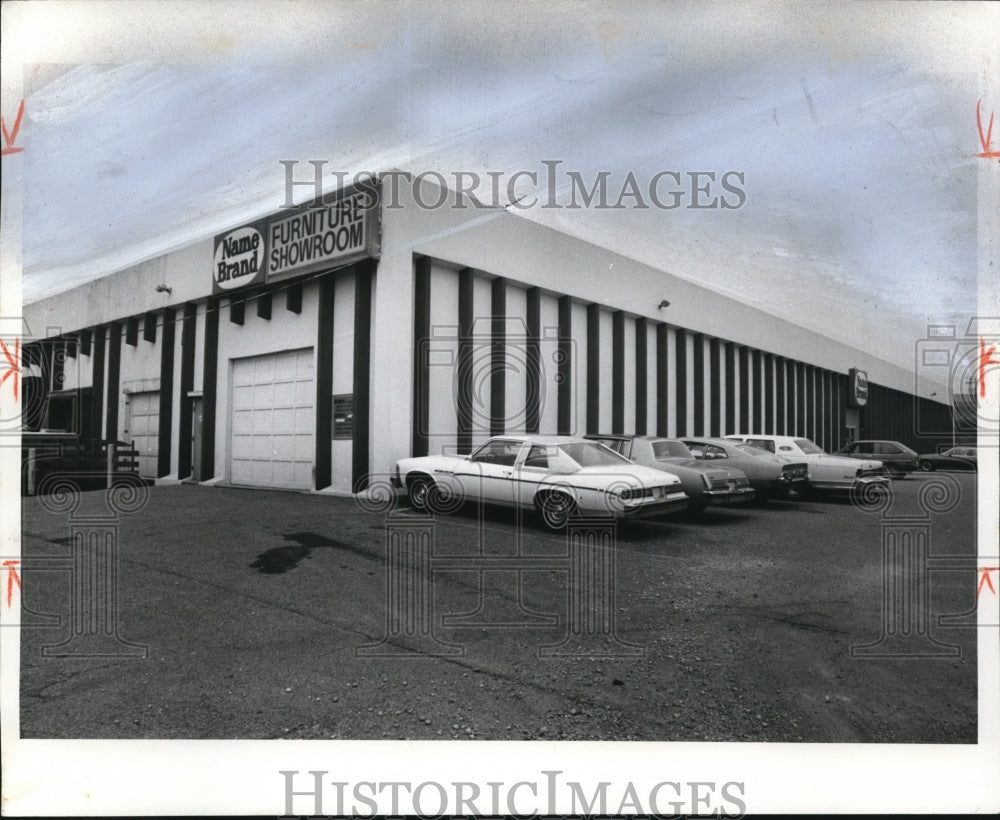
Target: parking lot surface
column 265, row 615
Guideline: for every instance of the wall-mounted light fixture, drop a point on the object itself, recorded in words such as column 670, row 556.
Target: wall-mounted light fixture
column 164, row 289
column 663, row 304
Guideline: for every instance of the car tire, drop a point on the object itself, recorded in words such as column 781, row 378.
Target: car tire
column 926, row 466
column 556, row 509
column 418, row 491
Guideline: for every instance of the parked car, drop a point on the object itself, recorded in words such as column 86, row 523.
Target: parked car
column 898, row 458
column 704, row 484
column 826, row 472
column 770, row 476
column 558, row 476
column 956, row 458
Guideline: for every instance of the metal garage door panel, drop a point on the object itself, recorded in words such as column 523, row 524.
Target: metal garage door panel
column 273, row 420
column 143, row 430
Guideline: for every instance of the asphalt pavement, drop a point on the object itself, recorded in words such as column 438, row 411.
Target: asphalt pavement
column 262, row 614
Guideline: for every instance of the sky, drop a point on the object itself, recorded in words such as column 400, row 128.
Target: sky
column 148, row 126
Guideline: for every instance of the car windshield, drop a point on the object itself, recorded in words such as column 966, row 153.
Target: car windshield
column 670, row 449
column 591, row 454
column 808, row 447
column 749, row 449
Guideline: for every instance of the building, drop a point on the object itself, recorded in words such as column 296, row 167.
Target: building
column 315, row 346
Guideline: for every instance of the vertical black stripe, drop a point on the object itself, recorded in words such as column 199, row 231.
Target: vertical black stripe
column 789, row 397
column 85, row 338
column 498, row 356
column 746, row 425
column 132, row 331
column 364, row 279
column 166, row 393
column 662, row 386
column 768, row 394
column 810, row 402
column 680, row 381
column 264, row 306
column 293, row 298
column 564, row 364
column 758, row 392
column 641, row 387
column 715, row 378
column 779, row 395
column 618, row 372
column 421, row 365
column 463, row 401
column 831, row 428
column 149, row 328
column 698, row 379
column 730, row 389
column 209, row 380
column 533, row 363
column 188, row 330
column 800, row 400
column 840, row 394
column 324, row 383
column 593, row 368
column 114, row 371
column 822, row 428
column 97, row 385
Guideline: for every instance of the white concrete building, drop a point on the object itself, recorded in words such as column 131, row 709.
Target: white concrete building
column 316, row 346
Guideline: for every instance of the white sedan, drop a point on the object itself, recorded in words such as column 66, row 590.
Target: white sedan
column 826, row 472
column 560, row 477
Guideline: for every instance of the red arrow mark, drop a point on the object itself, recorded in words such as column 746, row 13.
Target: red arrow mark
column 9, row 137
column 12, row 578
column 985, row 139
column 985, row 358
column 985, row 581
column 13, row 368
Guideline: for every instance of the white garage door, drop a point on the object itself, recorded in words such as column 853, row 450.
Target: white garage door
column 274, row 420
column 143, row 429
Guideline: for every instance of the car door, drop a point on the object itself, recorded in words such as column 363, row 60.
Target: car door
column 488, row 474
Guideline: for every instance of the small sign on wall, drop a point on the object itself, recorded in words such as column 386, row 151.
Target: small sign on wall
column 857, row 389
column 343, row 416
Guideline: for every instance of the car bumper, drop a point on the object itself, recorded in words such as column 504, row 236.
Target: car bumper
column 847, row 486
column 651, row 508
column 726, row 497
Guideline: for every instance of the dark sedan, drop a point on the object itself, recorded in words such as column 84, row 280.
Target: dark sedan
column 769, row 475
column 957, row 458
column 705, row 484
column 896, row 456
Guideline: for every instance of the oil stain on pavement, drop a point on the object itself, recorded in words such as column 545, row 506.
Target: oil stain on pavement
column 278, row 560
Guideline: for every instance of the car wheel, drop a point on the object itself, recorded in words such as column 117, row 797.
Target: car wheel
column 926, row 466
column 556, row 509
column 418, row 492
